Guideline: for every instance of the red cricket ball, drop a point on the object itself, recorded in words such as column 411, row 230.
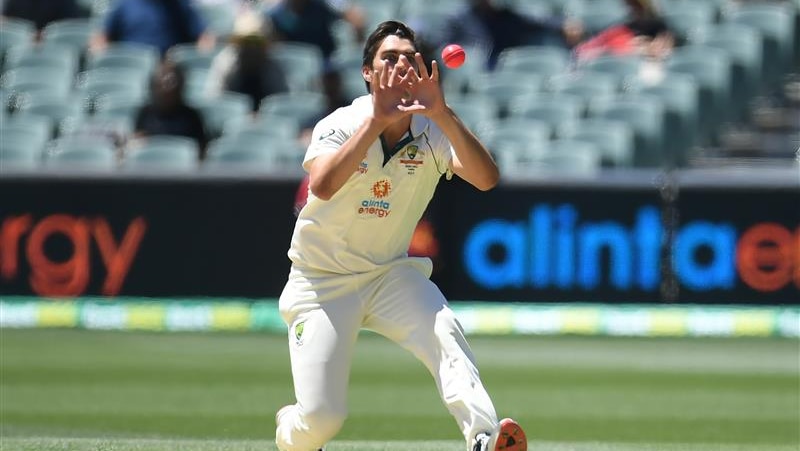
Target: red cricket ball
column 453, row 56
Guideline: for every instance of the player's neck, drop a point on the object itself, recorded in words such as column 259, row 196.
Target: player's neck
column 395, row 132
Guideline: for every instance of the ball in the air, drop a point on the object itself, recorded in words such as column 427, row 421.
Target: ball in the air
column 453, row 56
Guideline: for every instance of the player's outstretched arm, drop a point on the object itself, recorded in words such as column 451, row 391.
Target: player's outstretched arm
column 472, row 161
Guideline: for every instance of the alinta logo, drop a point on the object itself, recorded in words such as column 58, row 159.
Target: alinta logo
column 381, row 189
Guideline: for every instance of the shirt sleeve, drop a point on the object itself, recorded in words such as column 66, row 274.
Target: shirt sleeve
column 442, row 153
column 327, row 137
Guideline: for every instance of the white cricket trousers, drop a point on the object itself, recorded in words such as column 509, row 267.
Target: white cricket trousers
column 325, row 314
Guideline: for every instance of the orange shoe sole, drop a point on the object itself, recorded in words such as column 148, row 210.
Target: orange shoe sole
column 511, row 437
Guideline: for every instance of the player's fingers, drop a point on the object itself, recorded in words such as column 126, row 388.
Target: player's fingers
column 411, row 77
column 435, row 71
column 423, row 69
column 393, row 76
column 384, row 74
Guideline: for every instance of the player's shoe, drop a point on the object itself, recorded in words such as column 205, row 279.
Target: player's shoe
column 281, row 412
column 509, row 437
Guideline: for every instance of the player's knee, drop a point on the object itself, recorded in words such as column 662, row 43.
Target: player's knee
column 324, row 423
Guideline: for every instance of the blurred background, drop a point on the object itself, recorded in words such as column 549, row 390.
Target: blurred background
column 150, row 174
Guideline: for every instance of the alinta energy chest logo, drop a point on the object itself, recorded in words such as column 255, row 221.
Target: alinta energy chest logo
column 377, row 206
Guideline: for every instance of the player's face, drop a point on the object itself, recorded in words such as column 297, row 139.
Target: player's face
column 389, row 52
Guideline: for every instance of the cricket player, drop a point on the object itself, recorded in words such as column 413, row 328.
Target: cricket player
column 373, row 167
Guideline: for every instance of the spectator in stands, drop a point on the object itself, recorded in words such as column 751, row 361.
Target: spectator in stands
column 312, row 21
column 168, row 113
column 496, row 27
column 643, row 33
column 159, row 23
column 42, row 12
column 245, row 64
column 334, row 99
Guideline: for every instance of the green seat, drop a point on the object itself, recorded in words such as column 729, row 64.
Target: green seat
column 776, row 23
column 51, row 80
column 645, row 115
column 51, row 56
column 75, row 33
column 95, row 83
column 126, row 55
column 478, row 112
column 60, row 110
column 711, row 69
column 688, row 20
column 279, row 126
column 118, row 104
column 513, row 137
column 460, row 79
column 570, row 157
column 189, row 56
column 559, row 111
column 15, row 33
column 547, row 61
column 81, row 154
column 228, row 107
column 614, row 140
column 300, row 106
column 624, row 69
column 504, row 87
column 156, row 155
column 301, row 63
column 743, row 45
column 595, row 89
column 680, row 95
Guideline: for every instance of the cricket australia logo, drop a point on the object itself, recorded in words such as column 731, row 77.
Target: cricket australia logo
column 298, row 333
column 376, row 206
column 411, row 162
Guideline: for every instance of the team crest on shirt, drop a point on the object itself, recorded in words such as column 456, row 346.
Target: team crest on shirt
column 299, row 328
column 376, row 206
column 411, row 158
column 363, row 167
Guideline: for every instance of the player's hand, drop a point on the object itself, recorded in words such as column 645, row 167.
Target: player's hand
column 426, row 95
column 391, row 92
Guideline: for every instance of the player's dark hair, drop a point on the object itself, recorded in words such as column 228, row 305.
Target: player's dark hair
column 382, row 31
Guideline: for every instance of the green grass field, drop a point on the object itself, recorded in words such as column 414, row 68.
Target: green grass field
column 124, row 391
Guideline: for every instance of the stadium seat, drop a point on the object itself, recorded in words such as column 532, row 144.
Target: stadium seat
column 217, row 111
column 219, row 16
column 557, row 110
column 711, row 69
column 228, row 154
column 687, row 20
column 126, row 55
column 81, row 155
column 548, row 61
column 162, row 153
column 190, row 57
column 624, row 69
column 594, row 89
column 680, row 95
column 50, row 80
column 95, row 83
column 555, row 158
column 15, row 33
column 516, row 136
column 58, row 109
column 504, row 87
column 743, row 45
column 21, row 147
column 50, row 56
column 566, row 156
column 273, row 125
column 775, row 22
column 118, row 104
column 75, row 33
column 302, row 64
column 478, row 112
column 645, row 115
column 300, row 106
column 613, row 139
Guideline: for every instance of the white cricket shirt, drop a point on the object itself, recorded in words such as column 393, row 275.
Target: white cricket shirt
column 370, row 220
